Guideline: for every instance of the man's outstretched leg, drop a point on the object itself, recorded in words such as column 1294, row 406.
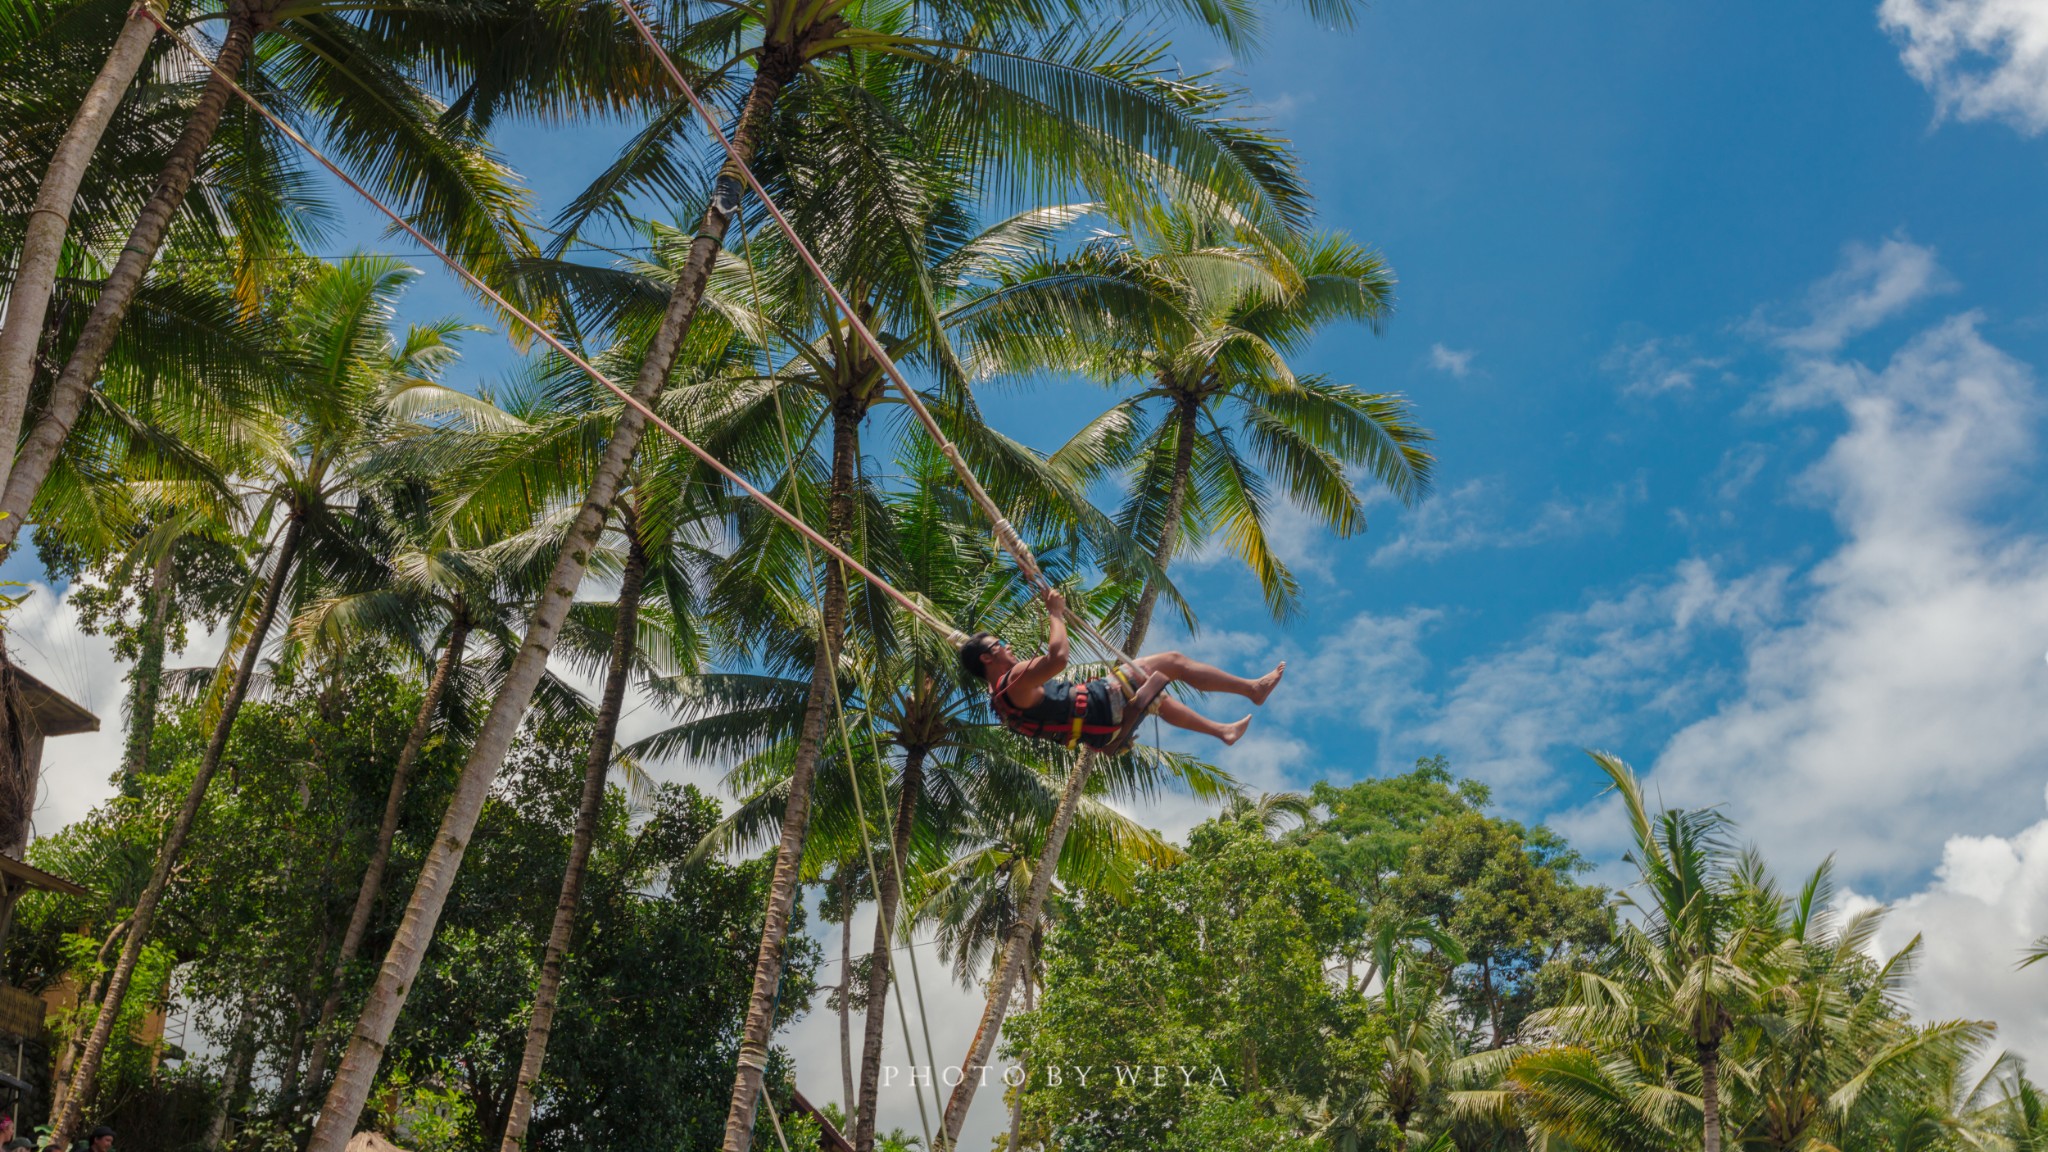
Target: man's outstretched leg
column 1181, row 716
column 1209, row 678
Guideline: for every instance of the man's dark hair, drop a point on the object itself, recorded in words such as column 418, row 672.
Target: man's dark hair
column 978, row 646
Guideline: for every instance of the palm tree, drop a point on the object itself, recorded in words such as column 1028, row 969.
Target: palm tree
column 1698, row 968
column 1015, row 109
column 35, row 265
column 1421, row 1047
column 350, row 78
column 1269, row 812
column 654, row 544
column 1206, row 318
column 1836, row 1044
column 603, row 741
column 1206, row 313
column 352, row 372
column 443, row 592
column 981, row 900
column 173, row 545
column 2008, row 1112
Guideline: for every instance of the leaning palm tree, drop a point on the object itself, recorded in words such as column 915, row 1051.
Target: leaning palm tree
column 353, row 372
column 29, row 33
column 348, row 77
column 1008, row 93
column 1205, row 319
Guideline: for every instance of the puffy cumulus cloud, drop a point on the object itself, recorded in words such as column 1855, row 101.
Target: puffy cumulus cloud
column 1905, row 700
column 1988, row 900
column 1981, row 59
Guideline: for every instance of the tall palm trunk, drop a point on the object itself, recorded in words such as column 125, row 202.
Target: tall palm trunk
column 241, row 1057
column 1710, row 1095
column 351, row 1088
column 888, row 893
column 35, row 277
column 796, row 815
column 1016, row 953
column 1017, row 1093
column 1185, row 411
column 846, row 999
column 174, row 840
column 146, row 682
column 60, row 1079
column 372, row 886
column 590, row 807
column 67, row 397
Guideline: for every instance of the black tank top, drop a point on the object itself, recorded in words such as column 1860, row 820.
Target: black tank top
column 1057, row 707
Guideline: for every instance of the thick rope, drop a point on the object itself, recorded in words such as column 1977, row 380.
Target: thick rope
column 1005, row 532
column 944, row 628
column 852, row 774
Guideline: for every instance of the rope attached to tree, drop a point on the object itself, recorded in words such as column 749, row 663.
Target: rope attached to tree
column 1006, row 533
column 930, row 619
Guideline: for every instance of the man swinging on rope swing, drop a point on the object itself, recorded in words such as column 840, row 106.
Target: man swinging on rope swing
column 1030, row 702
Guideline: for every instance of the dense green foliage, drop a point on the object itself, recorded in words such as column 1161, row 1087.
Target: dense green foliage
column 1219, row 1003
column 221, row 432
column 645, row 1040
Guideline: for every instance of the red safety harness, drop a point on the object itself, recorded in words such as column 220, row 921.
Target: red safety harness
column 1074, row 728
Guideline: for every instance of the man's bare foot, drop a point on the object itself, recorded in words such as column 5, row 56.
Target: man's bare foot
column 1232, row 733
column 1264, row 685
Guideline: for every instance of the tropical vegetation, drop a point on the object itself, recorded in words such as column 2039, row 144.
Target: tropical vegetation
column 403, row 858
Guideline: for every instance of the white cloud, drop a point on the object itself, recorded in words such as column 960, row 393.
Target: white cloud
column 1476, row 515
column 1989, row 899
column 1873, row 285
column 1981, row 59
column 1658, row 366
column 1451, row 361
column 1905, row 702
column 1586, row 678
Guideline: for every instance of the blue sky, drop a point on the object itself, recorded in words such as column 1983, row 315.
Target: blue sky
column 1729, row 320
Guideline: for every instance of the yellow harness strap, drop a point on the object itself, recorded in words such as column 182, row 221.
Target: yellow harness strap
column 1080, row 720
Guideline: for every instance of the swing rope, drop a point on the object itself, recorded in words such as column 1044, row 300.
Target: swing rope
column 846, row 747
column 909, row 604
column 1005, row 532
